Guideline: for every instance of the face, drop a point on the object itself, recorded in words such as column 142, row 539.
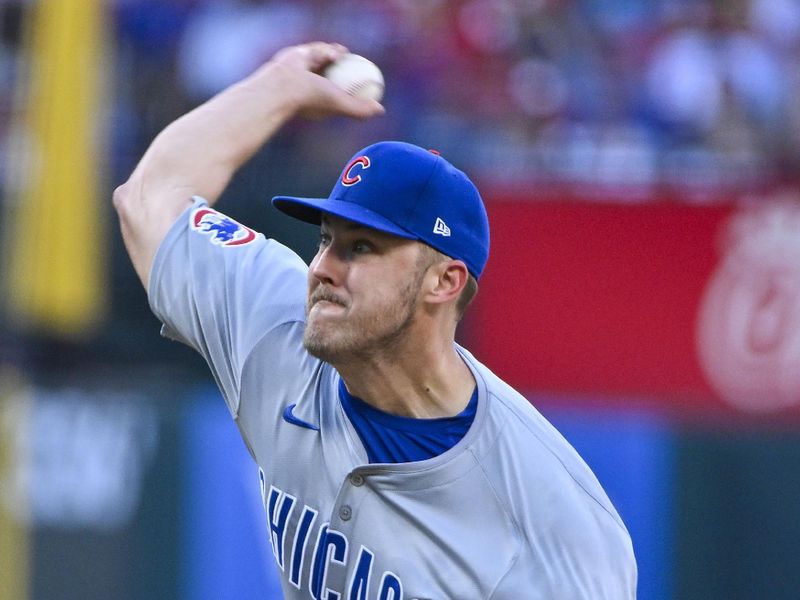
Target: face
column 363, row 291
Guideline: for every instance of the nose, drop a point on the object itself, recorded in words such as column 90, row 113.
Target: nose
column 327, row 266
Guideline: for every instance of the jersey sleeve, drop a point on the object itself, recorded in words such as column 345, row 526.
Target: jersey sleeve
column 220, row 287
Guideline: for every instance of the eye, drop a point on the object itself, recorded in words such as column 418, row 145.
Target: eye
column 362, row 247
column 324, row 239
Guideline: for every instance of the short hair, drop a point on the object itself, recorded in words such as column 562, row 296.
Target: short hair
column 430, row 256
column 467, row 296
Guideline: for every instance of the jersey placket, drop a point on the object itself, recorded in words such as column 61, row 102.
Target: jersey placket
column 342, row 560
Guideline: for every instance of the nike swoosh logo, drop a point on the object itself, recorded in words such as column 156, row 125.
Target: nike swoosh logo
column 289, row 417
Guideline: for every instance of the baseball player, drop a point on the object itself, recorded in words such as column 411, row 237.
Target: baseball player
column 393, row 464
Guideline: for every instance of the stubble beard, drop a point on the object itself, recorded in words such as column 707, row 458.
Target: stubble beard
column 368, row 336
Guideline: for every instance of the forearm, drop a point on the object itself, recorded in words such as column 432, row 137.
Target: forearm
column 199, row 153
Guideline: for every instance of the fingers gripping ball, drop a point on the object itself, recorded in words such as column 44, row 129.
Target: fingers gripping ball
column 357, row 76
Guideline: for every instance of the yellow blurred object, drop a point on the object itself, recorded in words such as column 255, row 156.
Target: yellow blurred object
column 14, row 544
column 57, row 222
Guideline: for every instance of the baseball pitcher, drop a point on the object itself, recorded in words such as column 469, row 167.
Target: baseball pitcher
column 393, row 465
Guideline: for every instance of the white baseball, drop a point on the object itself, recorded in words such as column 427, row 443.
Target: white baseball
column 357, row 76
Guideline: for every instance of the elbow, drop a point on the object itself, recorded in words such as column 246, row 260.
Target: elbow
column 128, row 203
column 122, row 199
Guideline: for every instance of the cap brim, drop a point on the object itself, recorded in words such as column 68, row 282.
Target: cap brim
column 310, row 210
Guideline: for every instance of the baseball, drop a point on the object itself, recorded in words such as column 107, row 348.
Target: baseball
column 356, row 75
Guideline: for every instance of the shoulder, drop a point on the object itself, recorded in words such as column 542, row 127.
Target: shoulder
column 202, row 232
column 548, row 468
column 211, row 257
column 574, row 543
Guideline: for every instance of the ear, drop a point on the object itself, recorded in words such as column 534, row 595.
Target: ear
column 450, row 278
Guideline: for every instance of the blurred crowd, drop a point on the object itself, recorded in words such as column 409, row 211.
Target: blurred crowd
column 608, row 95
column 602, row 91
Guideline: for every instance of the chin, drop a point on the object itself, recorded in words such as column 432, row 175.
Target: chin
column 325, row 352
column 321, row 343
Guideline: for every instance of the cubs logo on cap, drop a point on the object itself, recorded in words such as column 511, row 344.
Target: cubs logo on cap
column 351, row 175
column 410, row 192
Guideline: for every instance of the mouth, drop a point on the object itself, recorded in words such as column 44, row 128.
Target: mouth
column 325, row 302
column 323, row 311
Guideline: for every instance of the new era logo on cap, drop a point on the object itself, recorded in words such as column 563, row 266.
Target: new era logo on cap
column 441, row 228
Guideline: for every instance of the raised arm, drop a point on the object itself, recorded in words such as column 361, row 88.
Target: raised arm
column 198, row 153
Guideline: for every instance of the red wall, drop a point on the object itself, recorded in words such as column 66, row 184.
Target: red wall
column 601, row 298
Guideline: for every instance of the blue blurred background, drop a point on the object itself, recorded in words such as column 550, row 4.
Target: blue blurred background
column 640, row 162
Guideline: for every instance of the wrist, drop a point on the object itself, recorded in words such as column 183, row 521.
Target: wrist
column 276, row 84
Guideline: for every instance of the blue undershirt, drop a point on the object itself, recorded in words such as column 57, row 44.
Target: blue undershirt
column 393, row 439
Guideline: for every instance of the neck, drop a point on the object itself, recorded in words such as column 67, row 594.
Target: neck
column 424, row 381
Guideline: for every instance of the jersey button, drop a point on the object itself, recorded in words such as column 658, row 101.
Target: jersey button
column 357, row 480
column 345, row 512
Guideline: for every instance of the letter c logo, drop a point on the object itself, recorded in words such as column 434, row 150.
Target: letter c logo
column 348, row 178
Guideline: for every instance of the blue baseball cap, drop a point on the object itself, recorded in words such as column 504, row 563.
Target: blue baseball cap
column 410, row 192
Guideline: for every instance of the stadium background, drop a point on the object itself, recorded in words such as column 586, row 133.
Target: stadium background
column 639, row 159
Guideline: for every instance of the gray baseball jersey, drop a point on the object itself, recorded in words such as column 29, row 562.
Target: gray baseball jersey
column 510, row 512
